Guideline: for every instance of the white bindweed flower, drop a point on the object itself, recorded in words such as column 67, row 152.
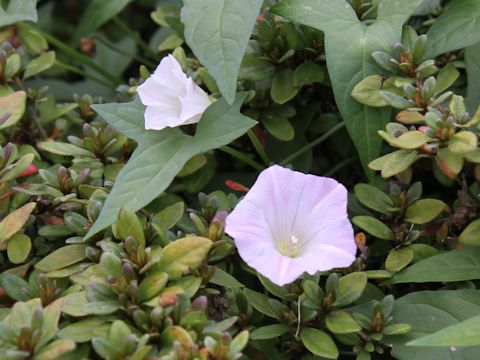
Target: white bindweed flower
column 290, row 223
column 172, row 99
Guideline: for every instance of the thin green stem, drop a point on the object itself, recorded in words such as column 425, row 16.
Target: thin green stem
column 142, row 44
column 314, row 143
column 68, row 50
column 339, row 166
column 115, row 48
column 242, row 157
column 258, row 147
column 80, row 72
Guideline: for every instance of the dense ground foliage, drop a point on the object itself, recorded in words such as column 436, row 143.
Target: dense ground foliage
column 123, row 232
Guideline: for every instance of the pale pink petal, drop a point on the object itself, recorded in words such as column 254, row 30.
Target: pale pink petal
column 290, row 223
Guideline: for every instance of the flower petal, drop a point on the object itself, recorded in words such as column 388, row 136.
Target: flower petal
column 305, row 214
column 194, row 103
column 159, row 117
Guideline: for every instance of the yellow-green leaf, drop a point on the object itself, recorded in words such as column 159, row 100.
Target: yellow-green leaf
column 14, row 221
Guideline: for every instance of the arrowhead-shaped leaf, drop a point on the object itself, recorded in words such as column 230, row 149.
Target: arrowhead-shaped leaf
column 18, row 10
column 349, row 47
column 218, row 32
column 160, row 155
column 457, row 28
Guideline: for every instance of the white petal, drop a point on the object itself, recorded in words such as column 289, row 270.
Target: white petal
column 159, row 117
column 194, row 103
column 152, row 92
column 169, row 75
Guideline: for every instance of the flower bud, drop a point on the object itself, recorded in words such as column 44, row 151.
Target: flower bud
column 129, row 272
column 200, row 303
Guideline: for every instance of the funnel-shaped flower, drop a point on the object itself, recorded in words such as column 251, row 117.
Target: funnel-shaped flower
column 172, row 98
column 290, row 223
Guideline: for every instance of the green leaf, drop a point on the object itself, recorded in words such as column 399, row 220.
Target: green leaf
column 349, row 45
column 428, row 312
column 65, row 149
column 424, row 210
column 373, row 198
column 341, row 322
column 461, row 334
column 308, row 73
column 96, row 14
column 350, row 288
column 409, row 140
column 167, row 218
column 55, row 349
column 472, row 64
column 399, row 259
column 14, row 286
column 394, row 163
column 81, row 331
column 239, row 342
column 75, row 304
column 151, row 286
column 455, row 265
column 218, row 32
column 18, row 248
column 162, row 154
column 259, row 302
column 319, row 343
column 14, row 221
column 446, row 77
column 463, row 142
column 39, row 64
column 193, row 165
column 367, row 91
column 448, row 32
column 184, row 255
column 471, row 234
column 101, row 307
column 222, row 278
column 394, row 100
column 374, row 227
column 18, row 167
column 254, row 68
column 128, row 224
column 17, row 11
column 269, row 332
column 63, row 257
column 12, row 108
column 279, row 127
column 283, row 88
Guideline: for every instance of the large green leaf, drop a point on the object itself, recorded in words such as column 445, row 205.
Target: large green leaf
column 457, row 28
column 472, row 63
column 160, row 155
column 98, row 13
column 456, row 265
column 349, row 45
column 428, row 312
column 18, row 10
column 465, row 333
column 218, row 32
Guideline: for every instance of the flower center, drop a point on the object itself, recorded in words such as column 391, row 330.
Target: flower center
column 290, row 246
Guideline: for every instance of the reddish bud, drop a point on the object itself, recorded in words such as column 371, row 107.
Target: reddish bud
column 236, row 186
column 423, row 128
column 30, row 170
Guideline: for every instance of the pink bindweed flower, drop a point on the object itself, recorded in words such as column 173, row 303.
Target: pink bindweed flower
column 172, row 99
column 290, row 223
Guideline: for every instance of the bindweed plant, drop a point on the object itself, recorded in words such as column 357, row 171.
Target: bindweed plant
column 214, row 179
